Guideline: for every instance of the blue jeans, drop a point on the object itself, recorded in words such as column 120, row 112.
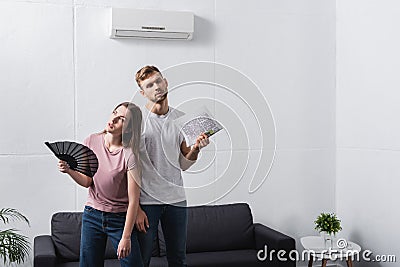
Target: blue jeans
column 96, row 227
column 174, row 224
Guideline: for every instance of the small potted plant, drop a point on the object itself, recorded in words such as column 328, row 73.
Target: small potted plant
column 328, row 225
column 14, row 247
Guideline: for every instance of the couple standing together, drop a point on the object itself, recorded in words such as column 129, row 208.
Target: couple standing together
column 138, row 183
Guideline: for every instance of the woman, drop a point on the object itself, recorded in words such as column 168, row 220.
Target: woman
column 113, row 197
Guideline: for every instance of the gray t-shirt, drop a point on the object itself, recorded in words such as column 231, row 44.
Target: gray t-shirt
column 159, row 154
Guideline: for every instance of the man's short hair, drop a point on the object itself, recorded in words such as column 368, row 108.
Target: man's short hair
column 145, row 73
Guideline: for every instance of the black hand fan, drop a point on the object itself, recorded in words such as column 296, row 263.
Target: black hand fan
column 79, row 157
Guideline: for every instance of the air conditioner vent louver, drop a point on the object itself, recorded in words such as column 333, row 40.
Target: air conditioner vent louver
column 151, row 35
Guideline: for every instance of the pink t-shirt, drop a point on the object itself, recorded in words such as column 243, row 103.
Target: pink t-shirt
column 109, row 191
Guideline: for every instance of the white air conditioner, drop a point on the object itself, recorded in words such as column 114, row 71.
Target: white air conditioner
column 151, row 24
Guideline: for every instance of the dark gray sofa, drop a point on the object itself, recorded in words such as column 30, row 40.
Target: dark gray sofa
column 221, row 235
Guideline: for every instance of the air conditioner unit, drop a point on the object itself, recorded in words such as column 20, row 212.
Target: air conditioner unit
column 151, row 24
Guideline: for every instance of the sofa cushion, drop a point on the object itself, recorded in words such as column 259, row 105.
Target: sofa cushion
column 218, row 228
column 231, row 258
column 159, row 262
column 68, row 264
column 107, row 263
column 66, row 235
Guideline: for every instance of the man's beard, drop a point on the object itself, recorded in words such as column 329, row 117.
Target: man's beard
column 161, row 98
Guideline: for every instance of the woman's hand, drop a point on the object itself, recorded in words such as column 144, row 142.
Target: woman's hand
column 142, row 222
column 63, row 166
column 124, row 248
column 78, row 177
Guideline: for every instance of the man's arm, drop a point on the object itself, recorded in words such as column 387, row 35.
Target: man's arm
column 189, row 155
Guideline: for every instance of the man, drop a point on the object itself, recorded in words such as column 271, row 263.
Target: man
column 164, row 154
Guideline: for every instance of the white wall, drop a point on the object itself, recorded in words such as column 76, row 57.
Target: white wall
column 367, row 130
column 287, row 47
column 62, row 75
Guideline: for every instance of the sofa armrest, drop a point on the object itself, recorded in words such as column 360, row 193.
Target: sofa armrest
column 44, row 252
column 274, row 241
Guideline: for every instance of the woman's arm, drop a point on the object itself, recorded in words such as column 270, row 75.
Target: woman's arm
column 124, row 246
column 78, row 177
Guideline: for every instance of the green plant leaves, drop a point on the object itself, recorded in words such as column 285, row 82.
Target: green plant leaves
column 328, row 222
column 14, row 247
column 7, row 214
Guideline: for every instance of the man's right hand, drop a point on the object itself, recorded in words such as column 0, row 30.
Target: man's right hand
column 141, row 221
